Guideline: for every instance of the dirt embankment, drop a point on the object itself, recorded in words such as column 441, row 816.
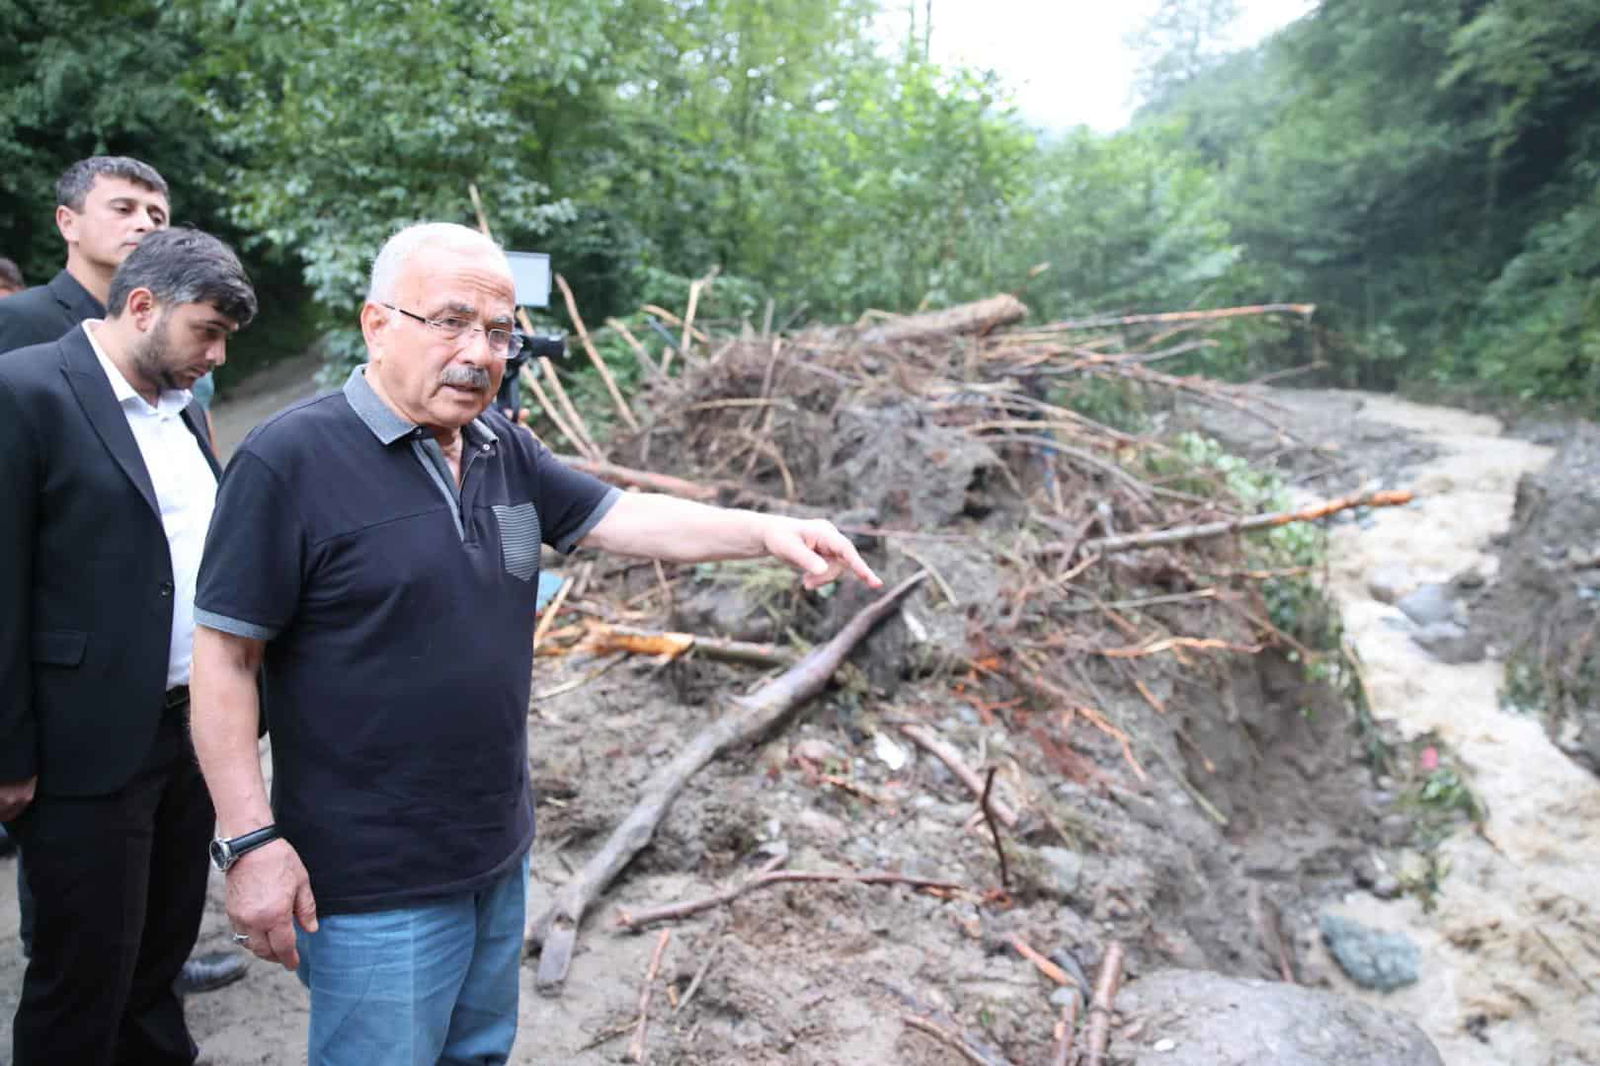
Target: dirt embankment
column 1196, row 803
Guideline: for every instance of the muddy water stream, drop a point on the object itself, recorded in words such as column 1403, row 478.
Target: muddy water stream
column 1511, row 955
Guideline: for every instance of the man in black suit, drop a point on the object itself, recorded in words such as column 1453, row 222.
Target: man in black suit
column 109, row 482
column 105, row 205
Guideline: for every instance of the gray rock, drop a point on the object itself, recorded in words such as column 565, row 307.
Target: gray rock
column 1369, row 957
column 1429, row 604
column 1451, row 643
column 1066, row 864
column 1390, row 581
column 1193, row 1018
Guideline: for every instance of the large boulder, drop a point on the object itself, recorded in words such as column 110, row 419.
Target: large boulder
column 1195, row 1018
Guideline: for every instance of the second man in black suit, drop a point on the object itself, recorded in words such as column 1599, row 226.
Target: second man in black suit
column 105, row 205
column 109, row 482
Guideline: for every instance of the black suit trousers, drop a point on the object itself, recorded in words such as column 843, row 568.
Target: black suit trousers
column 119, row 883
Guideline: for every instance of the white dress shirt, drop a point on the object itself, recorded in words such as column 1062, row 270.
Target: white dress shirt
column 186, row 490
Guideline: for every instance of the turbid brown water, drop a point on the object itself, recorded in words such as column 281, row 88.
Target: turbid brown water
column 1511, row 955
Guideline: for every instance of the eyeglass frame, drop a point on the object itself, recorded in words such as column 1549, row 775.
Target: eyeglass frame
column 450, row 333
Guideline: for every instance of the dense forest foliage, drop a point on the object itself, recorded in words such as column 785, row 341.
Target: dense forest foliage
column 1427, row 173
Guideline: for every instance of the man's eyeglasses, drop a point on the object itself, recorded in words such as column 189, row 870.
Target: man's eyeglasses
column 503, row 343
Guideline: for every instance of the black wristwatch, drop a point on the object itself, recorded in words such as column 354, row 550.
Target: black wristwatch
column 224, row 853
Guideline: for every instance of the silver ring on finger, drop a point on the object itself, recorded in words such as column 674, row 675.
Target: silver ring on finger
column 241, row 938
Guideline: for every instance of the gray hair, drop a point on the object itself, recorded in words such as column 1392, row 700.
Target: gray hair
column 398, row 251
column 72, row 188
column 185, row 266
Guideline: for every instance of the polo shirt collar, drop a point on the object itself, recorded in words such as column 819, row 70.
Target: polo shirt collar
column 389, row 427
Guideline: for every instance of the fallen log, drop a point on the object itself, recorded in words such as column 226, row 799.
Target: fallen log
column 979, row 317
column 674, row 911
column 1183, row 534
column 554, row 932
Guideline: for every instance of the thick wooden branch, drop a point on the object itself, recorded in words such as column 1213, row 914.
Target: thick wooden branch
column 644, row 642
column 979, row 317
column 1182, row 534
column 554, row 933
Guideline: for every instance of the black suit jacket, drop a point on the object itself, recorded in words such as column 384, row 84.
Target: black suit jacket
column 86, row 585
column 45, row 312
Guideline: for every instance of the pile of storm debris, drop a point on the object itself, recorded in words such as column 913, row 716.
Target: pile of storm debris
column 1097, row 726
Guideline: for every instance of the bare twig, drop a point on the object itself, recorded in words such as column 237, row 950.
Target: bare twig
column 952, row 1040
column 1042, row 964
column 672, row 912
column 552, row 412
column 594, row 356
column 636, row 1045
column 994, row 830
column 699, row 976
column 550, row 612
column 1182, row 534
column 1066, row 1029
column 645, row 362
column 1100, row 1008
column 929, row 742
column 1180, row 316
column 573, row 418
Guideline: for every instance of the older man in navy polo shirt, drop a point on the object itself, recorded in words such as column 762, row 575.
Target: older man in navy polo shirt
column 377, row 552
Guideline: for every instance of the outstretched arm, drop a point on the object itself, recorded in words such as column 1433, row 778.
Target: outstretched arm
column 653, row 526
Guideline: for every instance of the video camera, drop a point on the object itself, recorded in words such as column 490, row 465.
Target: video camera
column 530, row 271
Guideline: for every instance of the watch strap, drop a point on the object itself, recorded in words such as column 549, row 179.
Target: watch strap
column 242, row 845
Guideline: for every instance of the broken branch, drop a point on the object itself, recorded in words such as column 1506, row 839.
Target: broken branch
column 1181, row 534
column 594, row 357
column 673, row 645
column 555, row 932
column 1105, row 995
column 925, row 739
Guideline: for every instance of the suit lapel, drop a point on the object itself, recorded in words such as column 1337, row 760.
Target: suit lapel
column 76, row 302
column 88, row 381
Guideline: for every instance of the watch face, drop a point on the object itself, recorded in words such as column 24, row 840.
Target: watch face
column 219, row 855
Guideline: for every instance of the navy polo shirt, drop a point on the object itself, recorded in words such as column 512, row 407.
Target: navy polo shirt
column 397, row 610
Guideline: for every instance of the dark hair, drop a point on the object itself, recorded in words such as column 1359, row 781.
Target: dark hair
column 72, row 188
column 10, row 276
column 185, row 266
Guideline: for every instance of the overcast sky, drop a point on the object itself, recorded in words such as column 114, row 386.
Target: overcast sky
column 1067, row 59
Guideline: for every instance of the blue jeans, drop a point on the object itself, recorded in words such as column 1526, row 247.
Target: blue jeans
column 419, row 986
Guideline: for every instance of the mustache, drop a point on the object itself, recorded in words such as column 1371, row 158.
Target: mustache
column 475, row 377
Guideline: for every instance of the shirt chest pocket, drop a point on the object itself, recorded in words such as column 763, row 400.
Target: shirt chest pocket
column 519, row 538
